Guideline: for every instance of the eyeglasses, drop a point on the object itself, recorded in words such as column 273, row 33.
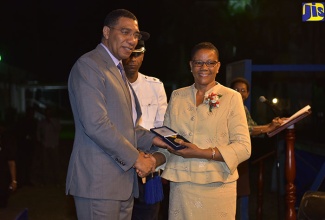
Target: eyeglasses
column 199, row 63
column 136, row 54
column 128, row 32
column 240, row 90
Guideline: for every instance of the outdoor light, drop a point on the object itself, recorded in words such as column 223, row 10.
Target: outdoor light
column 275, row 100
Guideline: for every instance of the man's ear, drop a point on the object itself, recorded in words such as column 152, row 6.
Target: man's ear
column 106, row 31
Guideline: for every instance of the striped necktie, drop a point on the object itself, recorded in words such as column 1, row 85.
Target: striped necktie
column 120, row 67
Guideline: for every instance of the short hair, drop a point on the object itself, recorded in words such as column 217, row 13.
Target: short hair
column 204, row 45
column 239, row 80
column 113, row 17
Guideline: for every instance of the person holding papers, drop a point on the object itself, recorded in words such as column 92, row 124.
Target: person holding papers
column 242, row 86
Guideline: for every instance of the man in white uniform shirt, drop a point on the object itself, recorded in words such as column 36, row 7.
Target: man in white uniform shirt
column 153, row 101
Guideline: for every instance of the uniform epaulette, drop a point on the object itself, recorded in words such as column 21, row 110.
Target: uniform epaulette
column 152, row 79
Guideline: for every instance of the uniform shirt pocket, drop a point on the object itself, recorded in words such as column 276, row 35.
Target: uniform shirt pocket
column 149, row 107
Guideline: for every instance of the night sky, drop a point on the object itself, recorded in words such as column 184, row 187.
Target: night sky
column 45, row 38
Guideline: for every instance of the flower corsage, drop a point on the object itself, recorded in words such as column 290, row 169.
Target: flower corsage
column 212, row 100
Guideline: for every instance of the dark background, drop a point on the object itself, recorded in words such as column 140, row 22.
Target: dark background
column 46, row 37
column 41, row 40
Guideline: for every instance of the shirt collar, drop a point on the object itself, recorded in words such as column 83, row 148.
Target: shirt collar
column 116, row 61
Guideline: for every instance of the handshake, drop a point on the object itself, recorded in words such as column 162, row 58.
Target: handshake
column 145, row 164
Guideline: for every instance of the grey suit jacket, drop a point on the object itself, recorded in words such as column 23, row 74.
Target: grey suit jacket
column 106, row 140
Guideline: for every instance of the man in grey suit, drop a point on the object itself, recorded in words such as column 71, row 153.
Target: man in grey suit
column 109, row 146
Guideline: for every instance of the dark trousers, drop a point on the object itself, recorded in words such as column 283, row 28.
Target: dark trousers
column 4, row 196
column 141, row 210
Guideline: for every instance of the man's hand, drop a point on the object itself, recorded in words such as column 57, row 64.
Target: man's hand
column 159, row 142
column 145, row 164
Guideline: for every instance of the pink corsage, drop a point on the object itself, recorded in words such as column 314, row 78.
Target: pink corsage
column 212, row 100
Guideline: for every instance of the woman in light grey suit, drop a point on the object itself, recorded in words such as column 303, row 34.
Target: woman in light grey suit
column 105, row 158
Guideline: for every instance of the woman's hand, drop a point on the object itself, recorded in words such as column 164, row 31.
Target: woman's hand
column 190, row 150
column 193, row 151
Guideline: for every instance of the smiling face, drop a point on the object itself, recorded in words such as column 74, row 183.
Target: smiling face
column 122, row 38
column 205, row 66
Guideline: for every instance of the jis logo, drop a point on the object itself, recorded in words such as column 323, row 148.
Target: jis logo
column 313, row 11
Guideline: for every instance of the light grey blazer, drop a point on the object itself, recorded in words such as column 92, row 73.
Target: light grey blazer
column 106, row 141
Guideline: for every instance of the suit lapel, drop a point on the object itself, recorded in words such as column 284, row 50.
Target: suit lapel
column 115, row 71
column 110, row 65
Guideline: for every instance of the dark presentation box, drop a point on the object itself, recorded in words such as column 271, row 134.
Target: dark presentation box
column 168, row 135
